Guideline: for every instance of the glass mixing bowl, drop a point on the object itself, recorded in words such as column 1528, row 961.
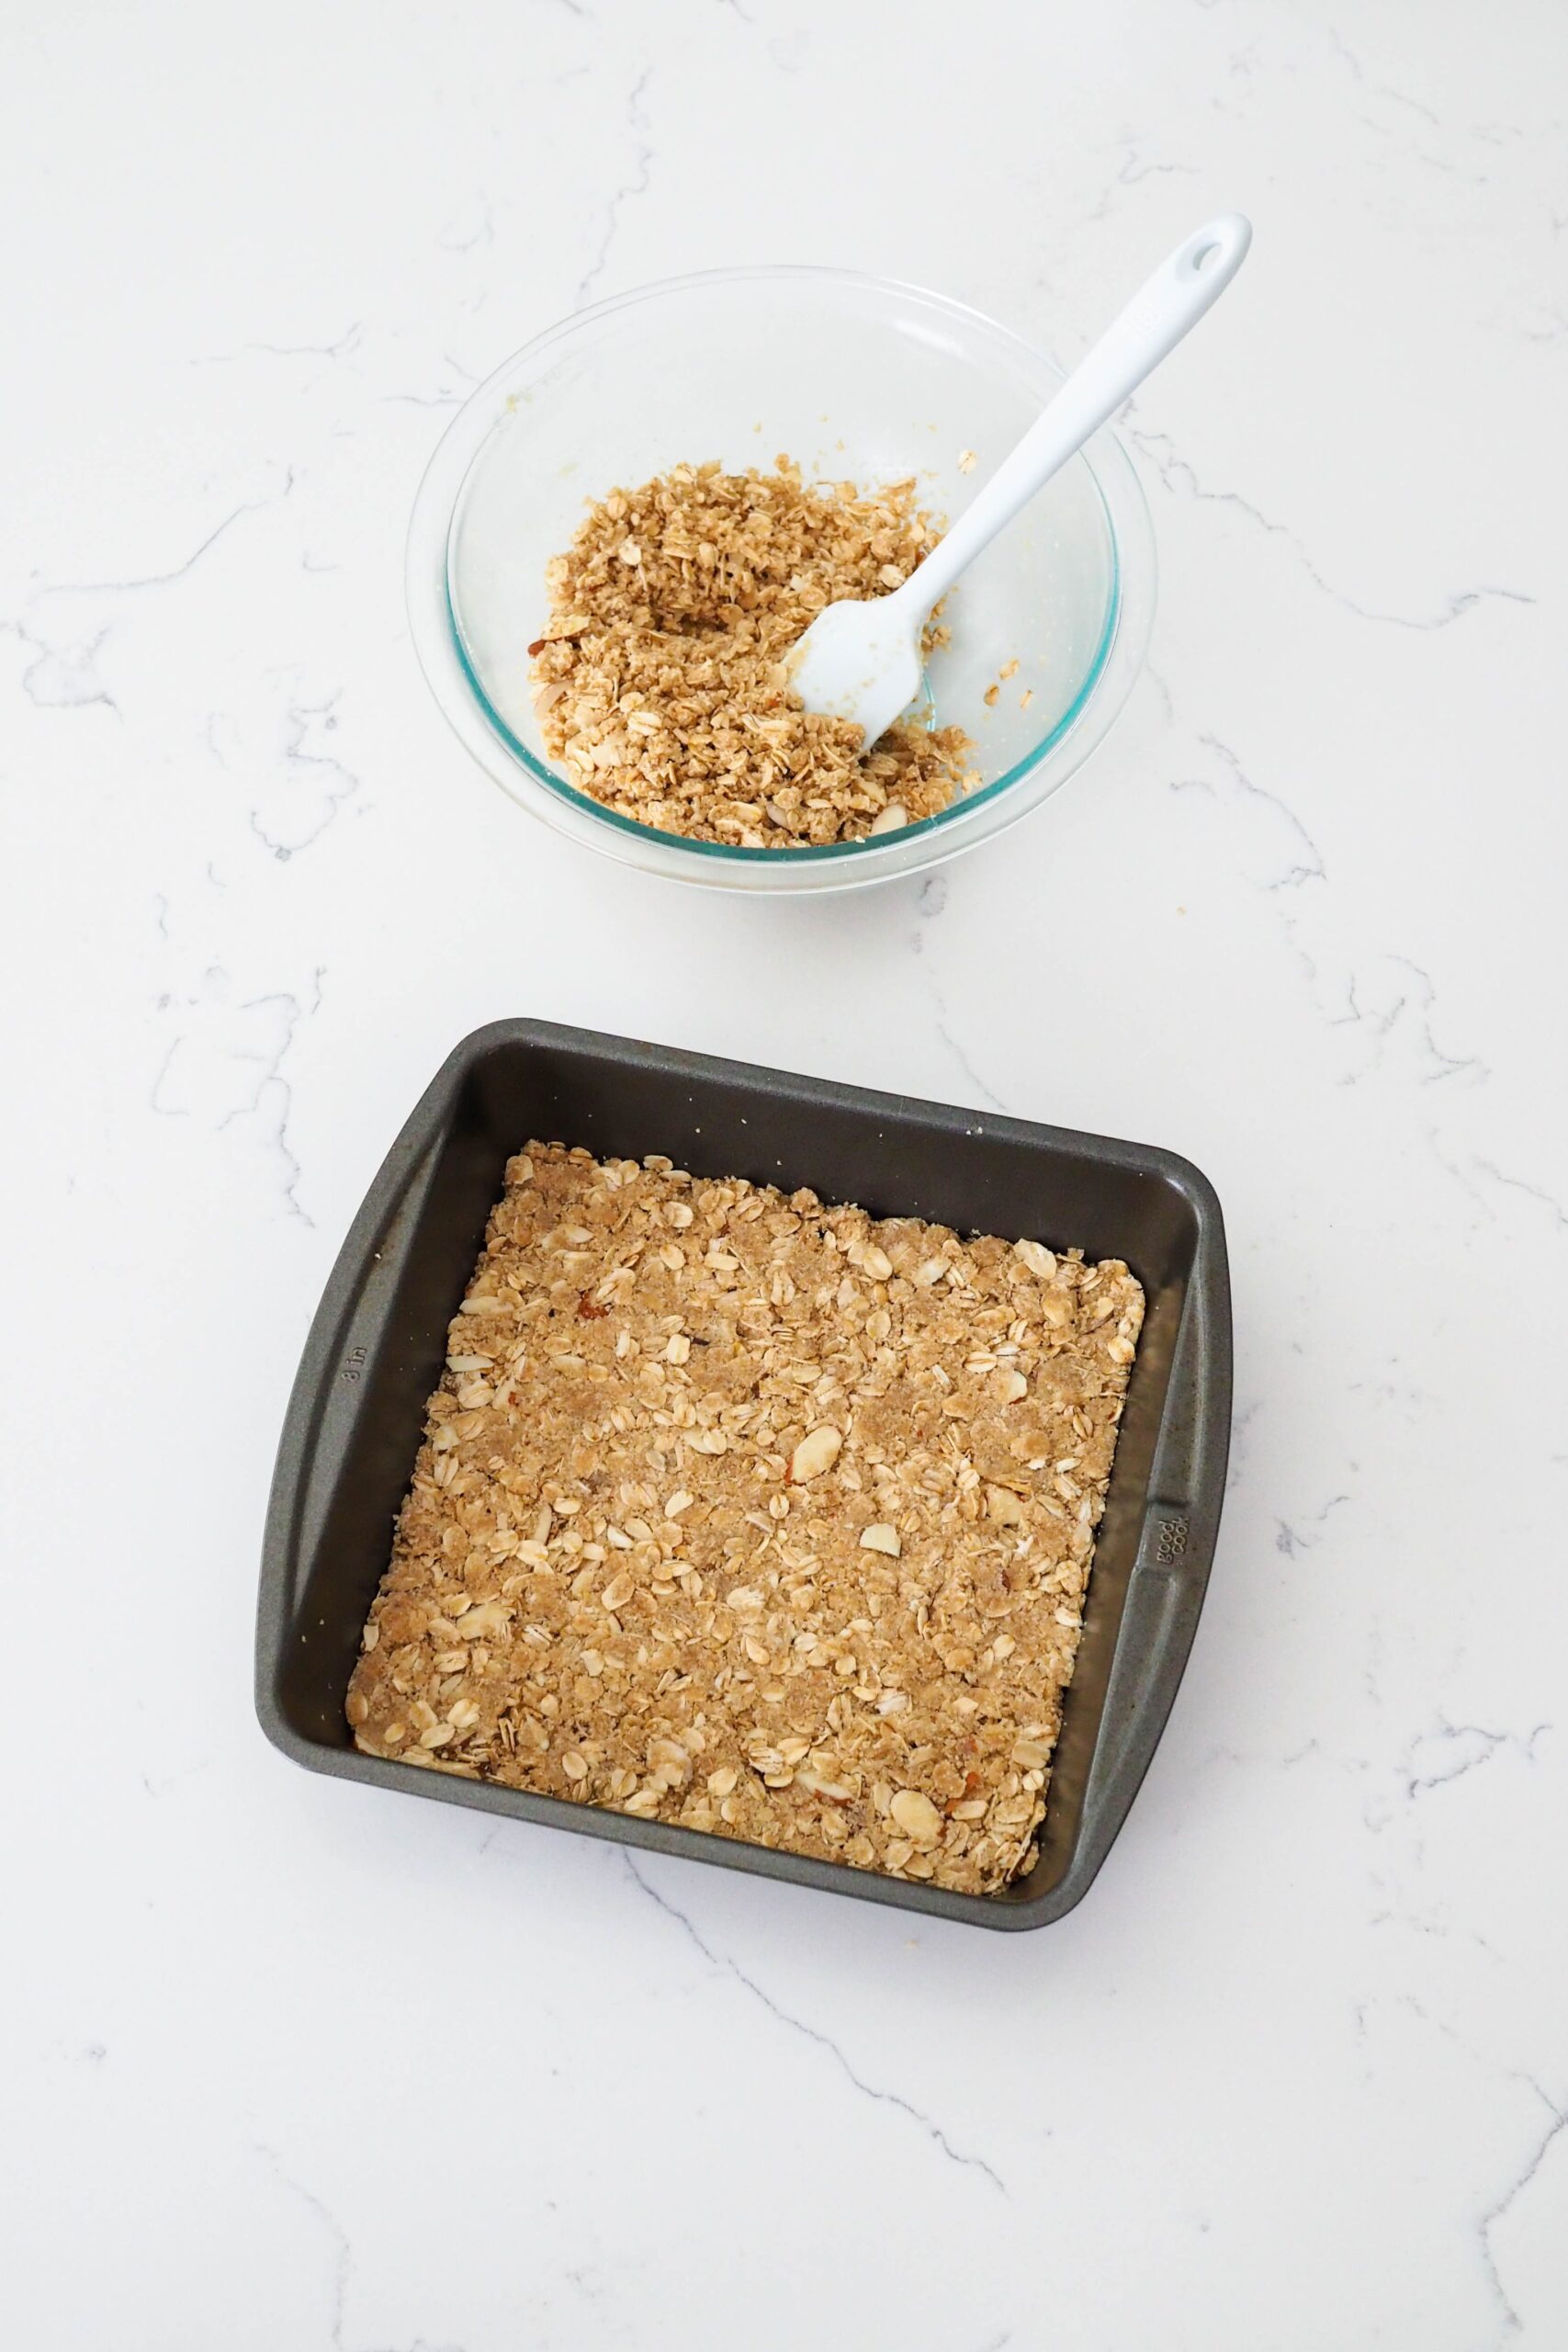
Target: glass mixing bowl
column 856, row 378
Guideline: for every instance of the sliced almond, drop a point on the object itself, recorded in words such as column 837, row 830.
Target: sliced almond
column 817, row 1452
column 916, row 1816
column 484, row 1621
column 1036, row 1256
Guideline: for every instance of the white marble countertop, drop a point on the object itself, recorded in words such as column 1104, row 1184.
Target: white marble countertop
column 304, row 2064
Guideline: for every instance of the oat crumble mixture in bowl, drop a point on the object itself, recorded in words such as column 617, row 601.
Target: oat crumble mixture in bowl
column 670, row 409
column 663, row 678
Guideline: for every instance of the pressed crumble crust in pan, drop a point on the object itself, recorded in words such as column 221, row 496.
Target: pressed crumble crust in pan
column 766, row 1517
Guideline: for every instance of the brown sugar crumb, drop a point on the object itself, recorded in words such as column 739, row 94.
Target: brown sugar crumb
column 660, row 680
column 789, row 1543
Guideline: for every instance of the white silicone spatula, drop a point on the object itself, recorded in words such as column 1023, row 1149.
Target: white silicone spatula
column 862, row 661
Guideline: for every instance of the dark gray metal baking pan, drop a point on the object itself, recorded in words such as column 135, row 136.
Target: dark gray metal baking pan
column 378, row 1342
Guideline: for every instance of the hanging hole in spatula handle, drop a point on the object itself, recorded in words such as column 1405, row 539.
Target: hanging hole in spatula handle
column 1216, row 252
column 1168, row 305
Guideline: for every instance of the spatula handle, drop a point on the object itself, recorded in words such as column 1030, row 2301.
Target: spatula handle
column 1184, row 286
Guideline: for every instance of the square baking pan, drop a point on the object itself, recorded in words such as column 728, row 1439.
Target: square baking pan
column 379, row 1343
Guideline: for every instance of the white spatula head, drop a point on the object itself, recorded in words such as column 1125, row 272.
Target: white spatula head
column 861, row 661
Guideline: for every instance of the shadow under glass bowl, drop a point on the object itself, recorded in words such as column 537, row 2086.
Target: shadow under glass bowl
column 856, row 378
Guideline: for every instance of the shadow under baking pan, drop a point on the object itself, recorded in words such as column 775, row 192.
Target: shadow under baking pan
column 379, row 1343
